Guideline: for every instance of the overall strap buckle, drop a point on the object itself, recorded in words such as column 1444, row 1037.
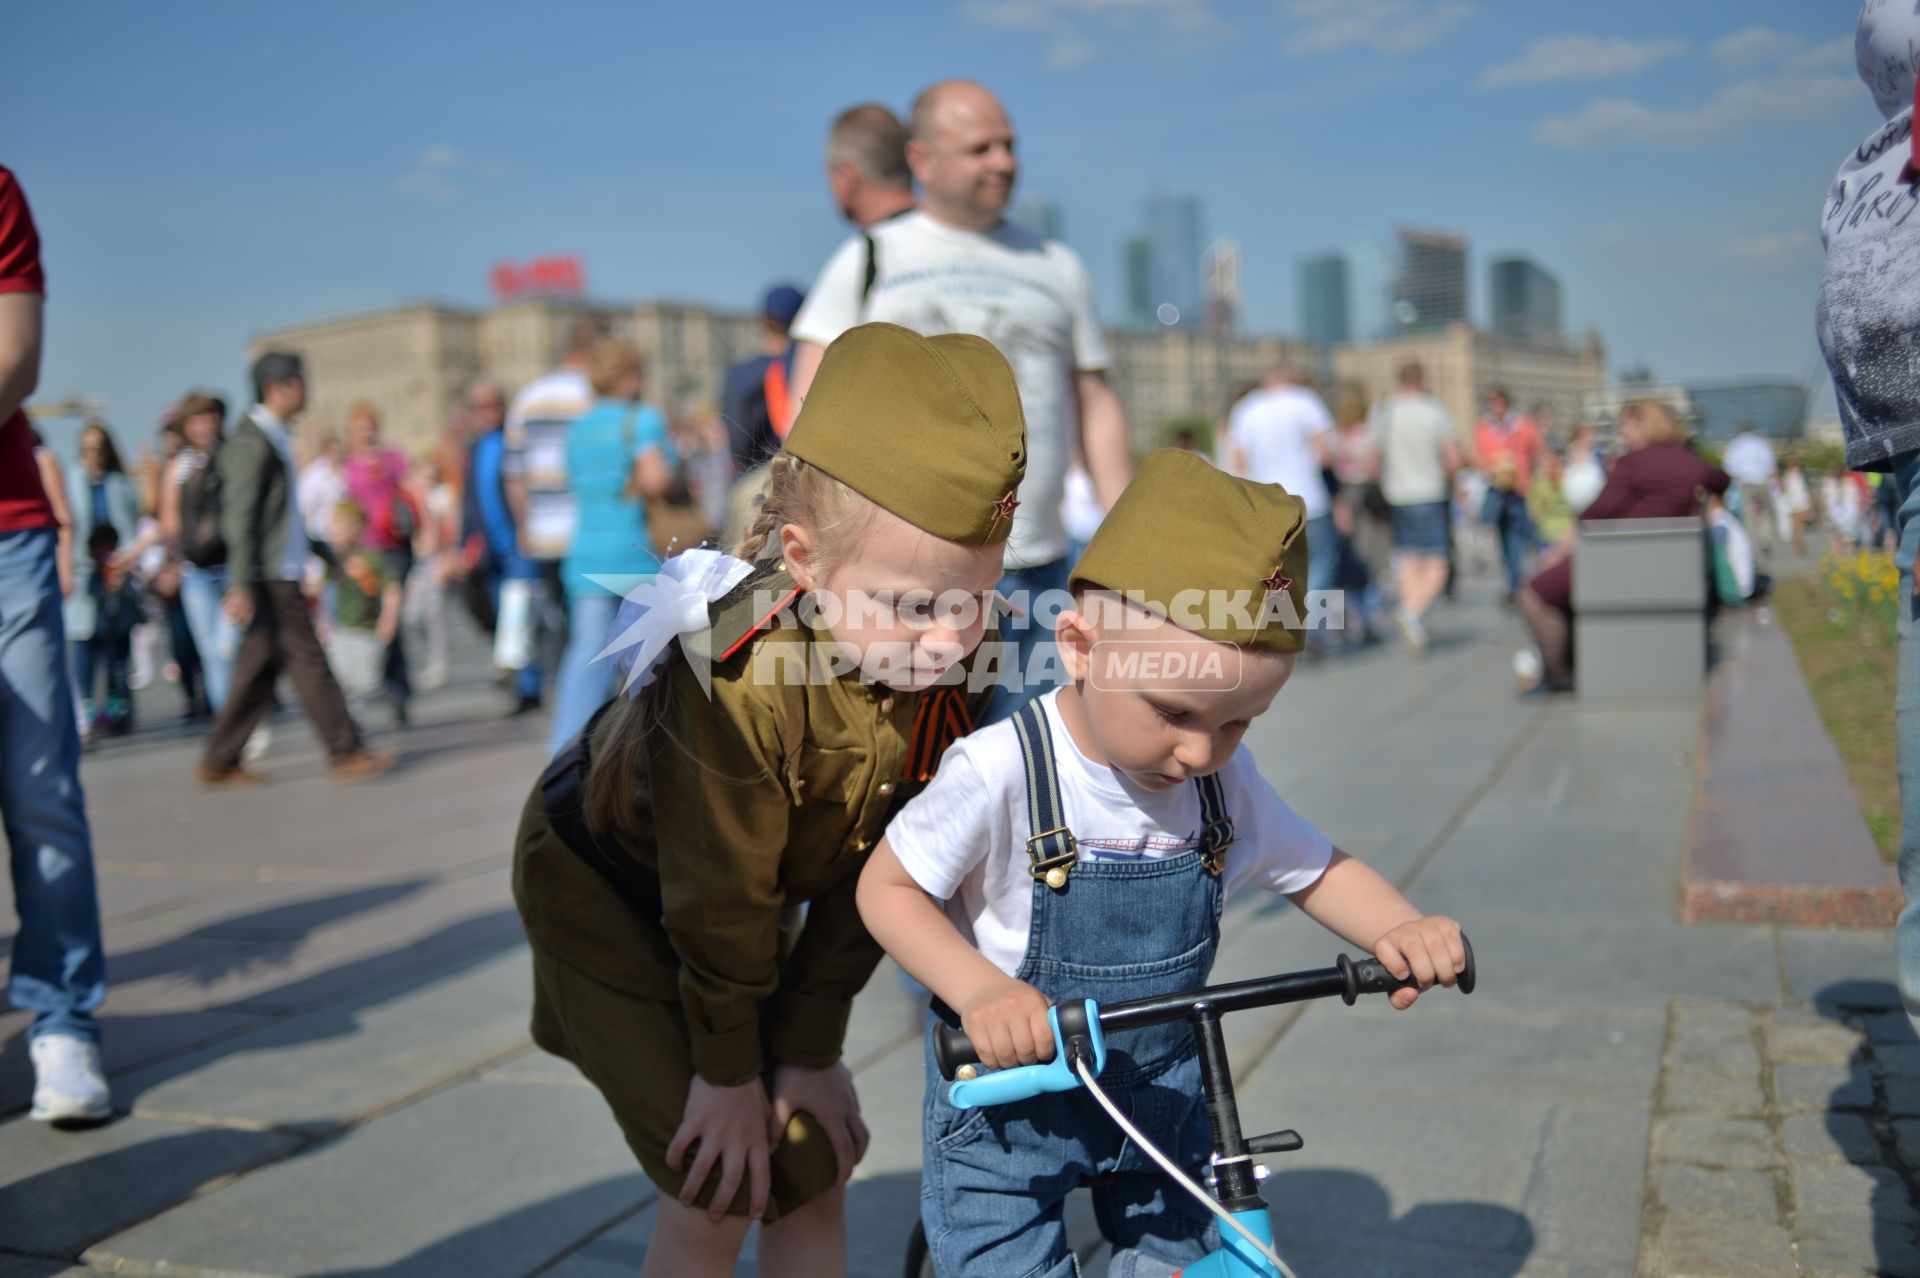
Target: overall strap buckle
column 1216, row 827
column 1051, row 850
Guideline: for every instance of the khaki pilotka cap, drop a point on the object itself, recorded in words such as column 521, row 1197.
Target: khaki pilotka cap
column 1186, row 533
column 928, row 427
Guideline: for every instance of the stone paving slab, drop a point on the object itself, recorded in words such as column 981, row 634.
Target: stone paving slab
column 63, row 1191
column 339, row 1062
column 1850, row 968
column 490, row 1180
column 1447, row 1045
column 1606, row 962
column 1477, row 1178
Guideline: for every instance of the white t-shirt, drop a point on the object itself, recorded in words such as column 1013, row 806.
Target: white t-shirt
column 1274, row 428
column 1731, row 534
column 1749, row 459
column 1030, row 297
column 535, row 439
column 1410, row 429
column 1080, row 512
column 964, row 838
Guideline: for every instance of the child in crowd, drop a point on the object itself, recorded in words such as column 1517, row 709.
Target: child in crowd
column 366, row 608
column 116, row 600
column 1083, row 850
column 780, row 705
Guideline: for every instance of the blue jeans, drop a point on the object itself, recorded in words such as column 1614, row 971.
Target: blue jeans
column 1515, row 526
column 201, row 591
column 59, row 968
column 1906, row 704
column 583, row 684
column 1031, row 636
column 1323, row 566
column 994, row 1179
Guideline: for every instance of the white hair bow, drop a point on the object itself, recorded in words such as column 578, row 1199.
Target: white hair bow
column 658, row 608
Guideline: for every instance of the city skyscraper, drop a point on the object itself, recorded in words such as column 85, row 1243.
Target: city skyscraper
column 1223, row 285
column 1176, row 237
column 1136, row 268
column 1042, row 217
column 1526, row 301
column 1373, row 276
column 1432, row 291
column 1324, row 299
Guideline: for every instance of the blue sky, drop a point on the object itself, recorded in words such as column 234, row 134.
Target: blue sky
column 203, row 171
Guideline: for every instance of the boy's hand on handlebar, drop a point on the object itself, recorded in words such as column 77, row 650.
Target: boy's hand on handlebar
column 828, row 1095
column 1007, row 1023
column 1428, row 950
column 730, row 1125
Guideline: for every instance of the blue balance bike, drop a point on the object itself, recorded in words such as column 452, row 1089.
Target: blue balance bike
column 1231, row 1182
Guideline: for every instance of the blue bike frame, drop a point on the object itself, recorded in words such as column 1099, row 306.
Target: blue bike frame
column 1079, row 1035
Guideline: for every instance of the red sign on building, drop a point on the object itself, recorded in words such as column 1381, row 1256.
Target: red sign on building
column 559, row 275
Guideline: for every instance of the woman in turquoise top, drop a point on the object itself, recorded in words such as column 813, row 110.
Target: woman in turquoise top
column 618, row 454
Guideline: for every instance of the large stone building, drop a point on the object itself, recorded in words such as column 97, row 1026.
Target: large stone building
column 413, row 362
column 1463, row 364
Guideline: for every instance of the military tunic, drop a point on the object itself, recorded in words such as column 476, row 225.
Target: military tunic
column 768, row 798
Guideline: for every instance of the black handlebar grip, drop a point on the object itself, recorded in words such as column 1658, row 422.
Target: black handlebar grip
column 1370, row 976
column 952, row 1049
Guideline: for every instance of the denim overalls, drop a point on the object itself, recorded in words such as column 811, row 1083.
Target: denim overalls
column 995, row 1178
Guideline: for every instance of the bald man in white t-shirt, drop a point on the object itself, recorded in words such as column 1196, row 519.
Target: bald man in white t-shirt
column 955, row 265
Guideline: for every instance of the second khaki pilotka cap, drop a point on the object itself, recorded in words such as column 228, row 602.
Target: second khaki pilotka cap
column 1185, row 535
column 928, row 427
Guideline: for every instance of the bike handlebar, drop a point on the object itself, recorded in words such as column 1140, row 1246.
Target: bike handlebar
column 1347, row 978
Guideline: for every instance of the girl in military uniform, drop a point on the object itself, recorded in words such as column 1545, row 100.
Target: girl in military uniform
column 781, row 704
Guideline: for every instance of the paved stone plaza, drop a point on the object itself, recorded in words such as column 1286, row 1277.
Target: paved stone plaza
column 317, row 1028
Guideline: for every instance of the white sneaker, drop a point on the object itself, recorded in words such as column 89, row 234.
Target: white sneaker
column 1412, row 631
column 257, row 743
column 68, row 1085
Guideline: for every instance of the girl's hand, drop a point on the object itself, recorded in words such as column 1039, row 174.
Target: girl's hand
column 1427, row 949
column 1007, row 1022
column 730, row 1124
column 828, row 1095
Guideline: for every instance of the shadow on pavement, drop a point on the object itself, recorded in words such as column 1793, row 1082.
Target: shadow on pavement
column 1893, row 1196
column 321, row 1005
column 270, row 936
column 881, row 1213
column 62, row 1210
column 1339, row 1224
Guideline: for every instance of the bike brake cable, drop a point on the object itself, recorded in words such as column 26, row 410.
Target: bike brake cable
column 1172, row 1169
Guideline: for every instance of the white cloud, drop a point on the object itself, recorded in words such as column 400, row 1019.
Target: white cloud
column 1563, row 59
column 1751, row 46
column 1068, row 26
column 1611, row 122
column 1772, row 247
column 1391, row 28
column 440, row 173
column 1834, row 55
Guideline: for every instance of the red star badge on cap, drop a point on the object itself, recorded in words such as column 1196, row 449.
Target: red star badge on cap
column 1275, row 581
column 1003, row 509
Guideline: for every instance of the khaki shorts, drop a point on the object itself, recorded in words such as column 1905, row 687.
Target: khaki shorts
column 636, row 1051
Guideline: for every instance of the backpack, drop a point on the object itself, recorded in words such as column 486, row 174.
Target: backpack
column 200, row 541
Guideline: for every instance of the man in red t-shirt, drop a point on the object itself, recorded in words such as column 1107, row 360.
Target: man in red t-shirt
column 59, row 970
column 1510, row 450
